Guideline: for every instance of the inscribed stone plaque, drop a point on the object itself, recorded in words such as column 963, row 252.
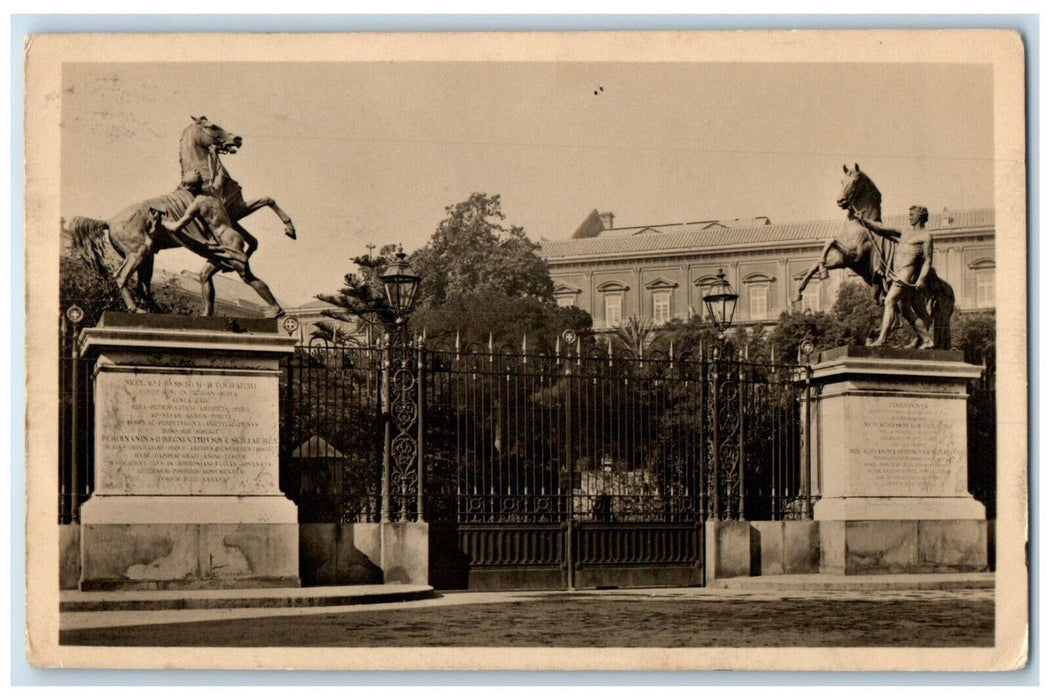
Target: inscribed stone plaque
column 185, row 434
column 907, row 446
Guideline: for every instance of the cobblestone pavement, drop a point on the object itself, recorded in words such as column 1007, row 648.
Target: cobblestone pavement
column 646, row 618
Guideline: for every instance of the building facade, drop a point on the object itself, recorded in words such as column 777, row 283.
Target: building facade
column 663, row 271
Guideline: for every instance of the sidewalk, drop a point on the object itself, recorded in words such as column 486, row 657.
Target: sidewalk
column 390, row 595
column 883, row 582
column 211, row 599
column 807, row 610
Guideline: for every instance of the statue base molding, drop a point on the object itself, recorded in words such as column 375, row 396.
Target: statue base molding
column 889, row 462
column 186, row 460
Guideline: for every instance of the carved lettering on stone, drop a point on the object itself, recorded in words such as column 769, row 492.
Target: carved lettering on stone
column 186, row 434
column 908, row 447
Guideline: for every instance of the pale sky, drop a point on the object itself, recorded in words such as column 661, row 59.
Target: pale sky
column 360, row 153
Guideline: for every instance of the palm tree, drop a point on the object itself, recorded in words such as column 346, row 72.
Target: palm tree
column 331, row 334
column 362, row 300
column 636, row 335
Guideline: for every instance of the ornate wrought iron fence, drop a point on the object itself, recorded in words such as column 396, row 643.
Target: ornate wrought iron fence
column 981, row 438
column 523, row 437
column 509, row 436
column 332, row 431
column 76, row 427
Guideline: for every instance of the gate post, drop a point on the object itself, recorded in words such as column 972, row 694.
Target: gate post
column 716, row 481
column 403, row 540
column 384, row 512
column 570, row 563
column 807, row 497
column 420, row 403
column 740, row 434
column 74, row 314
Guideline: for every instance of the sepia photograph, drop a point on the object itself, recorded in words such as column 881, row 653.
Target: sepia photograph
column 627, row 350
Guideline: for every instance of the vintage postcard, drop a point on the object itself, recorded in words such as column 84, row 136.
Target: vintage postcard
column 627, row 350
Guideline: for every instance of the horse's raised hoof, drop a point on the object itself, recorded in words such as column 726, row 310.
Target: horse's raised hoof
column 290, row 232
column 797, row 299
column 274, row 312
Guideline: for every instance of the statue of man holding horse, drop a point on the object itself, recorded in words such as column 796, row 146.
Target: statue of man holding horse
column 910, row 267
column 226, row 246
column 904, row 279
column 136, row 234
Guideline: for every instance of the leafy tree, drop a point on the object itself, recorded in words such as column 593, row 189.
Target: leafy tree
column 474, row 317
column 793, row 328
column 81, row 285
column 696, row 335
column 974, row 334
column 693, row 335
column 857, row 313
column 472, row 251
column 482, row 278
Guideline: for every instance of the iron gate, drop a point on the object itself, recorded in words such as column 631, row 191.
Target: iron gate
column 591, row 469
column 533, row 469
column 332, row 432
column 541, row 470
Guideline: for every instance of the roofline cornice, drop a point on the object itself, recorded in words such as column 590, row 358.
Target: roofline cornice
column 766, row 246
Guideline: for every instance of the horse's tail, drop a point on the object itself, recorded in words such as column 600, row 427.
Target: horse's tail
column 942, row 306
column 89, row 241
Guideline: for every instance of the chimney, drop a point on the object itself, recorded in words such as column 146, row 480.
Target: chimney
column 607, row 219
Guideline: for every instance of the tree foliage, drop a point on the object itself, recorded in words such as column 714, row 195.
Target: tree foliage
column 473, row 252
column 79, row 284
column 480, row 277
column 473, row 317
column 635, row 336
column 974, row 334
column 361, row 302
column 855, row 319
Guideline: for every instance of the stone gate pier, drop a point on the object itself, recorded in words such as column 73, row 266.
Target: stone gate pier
column 186, row 456
column 889, row 462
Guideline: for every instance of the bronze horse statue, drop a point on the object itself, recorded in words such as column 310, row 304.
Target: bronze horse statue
column 871, row 256
column 135, row 233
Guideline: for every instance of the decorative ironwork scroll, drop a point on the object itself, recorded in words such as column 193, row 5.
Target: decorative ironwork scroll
column 402, row 406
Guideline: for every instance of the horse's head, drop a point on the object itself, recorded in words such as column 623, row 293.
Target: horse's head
column 858, row 191
column 206, row 136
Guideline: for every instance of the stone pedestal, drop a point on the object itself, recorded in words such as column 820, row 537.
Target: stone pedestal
column 890, row 462
column 186, row 456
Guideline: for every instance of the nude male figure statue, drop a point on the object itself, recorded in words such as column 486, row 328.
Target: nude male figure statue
column 226, row 246
column 912, row 263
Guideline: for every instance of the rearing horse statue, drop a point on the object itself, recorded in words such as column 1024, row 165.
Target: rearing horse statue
column 853, row 248
column 871, row 257
column 135, row 235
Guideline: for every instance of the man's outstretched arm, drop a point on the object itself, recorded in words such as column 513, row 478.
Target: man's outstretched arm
column 876, row 228
column 191, row 211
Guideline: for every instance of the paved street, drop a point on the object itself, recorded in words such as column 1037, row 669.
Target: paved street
column 691, row 617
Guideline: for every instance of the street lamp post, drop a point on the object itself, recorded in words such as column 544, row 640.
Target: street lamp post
column 401, row 284
column 401, row 392
column 721, row 305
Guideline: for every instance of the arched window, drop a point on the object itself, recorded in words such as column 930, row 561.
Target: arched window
column 612, row 294
column 662, row 294
column 757, row 286
column 565, row 295
column 984, row 282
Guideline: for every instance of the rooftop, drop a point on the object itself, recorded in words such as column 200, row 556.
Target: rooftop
column 693, row 236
